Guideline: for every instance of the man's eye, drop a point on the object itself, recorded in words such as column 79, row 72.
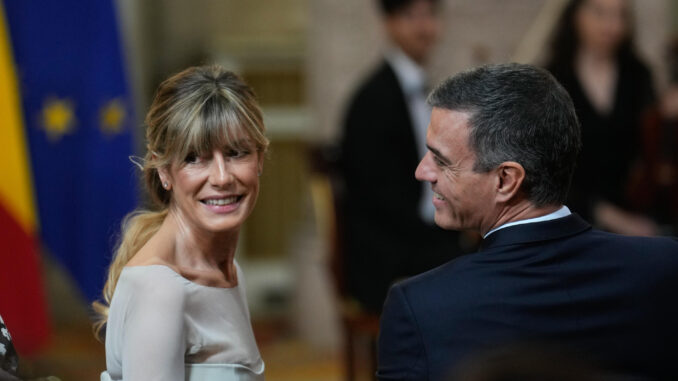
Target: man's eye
column 191, row 158
column 438, row 162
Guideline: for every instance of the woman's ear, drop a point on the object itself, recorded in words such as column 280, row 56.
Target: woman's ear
column 511, row 176
column 165, row 178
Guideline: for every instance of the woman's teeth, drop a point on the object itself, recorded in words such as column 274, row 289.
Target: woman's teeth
column 222, row 201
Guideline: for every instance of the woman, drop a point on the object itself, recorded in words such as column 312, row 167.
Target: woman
column 177, row 304
column 592, row 57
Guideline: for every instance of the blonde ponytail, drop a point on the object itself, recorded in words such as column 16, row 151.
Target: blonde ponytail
column 138, row 227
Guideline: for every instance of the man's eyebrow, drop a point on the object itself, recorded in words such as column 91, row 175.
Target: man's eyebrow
column 438, row 154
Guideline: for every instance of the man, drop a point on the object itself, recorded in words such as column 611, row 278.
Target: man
column 502, row 145
column 388, row 213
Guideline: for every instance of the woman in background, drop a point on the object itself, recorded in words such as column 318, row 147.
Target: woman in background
column 177, row 303
column 593, row 58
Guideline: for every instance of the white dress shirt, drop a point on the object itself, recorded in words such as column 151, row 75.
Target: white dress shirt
column 564, row 211
column 412, row 80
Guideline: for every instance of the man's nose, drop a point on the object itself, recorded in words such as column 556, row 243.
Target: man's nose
column 424, row 170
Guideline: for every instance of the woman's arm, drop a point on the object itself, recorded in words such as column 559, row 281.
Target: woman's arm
column 153, row 341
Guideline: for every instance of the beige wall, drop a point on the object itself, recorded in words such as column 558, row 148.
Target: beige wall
column 345, row 40
column 333, row 43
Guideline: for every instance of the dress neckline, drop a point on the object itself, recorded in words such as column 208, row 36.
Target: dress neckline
column 184, row 278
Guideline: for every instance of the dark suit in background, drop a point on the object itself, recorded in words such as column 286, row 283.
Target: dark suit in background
column 384, row 236
column 605, row 297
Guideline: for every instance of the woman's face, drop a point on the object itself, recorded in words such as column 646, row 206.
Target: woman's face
column 602, row 25
column 215, row 192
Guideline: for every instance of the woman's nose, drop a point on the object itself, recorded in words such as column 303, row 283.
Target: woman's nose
column 219, row 170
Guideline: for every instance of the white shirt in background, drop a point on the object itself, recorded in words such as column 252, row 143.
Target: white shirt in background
column 412, row 79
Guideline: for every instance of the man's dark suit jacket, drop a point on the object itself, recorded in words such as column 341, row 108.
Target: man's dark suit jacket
column 384, row 236
column 607, row 298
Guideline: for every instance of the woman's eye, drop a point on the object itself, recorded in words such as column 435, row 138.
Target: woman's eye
column 191, row 158
column 237, row 153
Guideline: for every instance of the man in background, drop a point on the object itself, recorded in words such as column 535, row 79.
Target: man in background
column 502, row 146
column 389, row 231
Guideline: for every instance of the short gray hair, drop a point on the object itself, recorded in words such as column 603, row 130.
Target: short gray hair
column 518, row 113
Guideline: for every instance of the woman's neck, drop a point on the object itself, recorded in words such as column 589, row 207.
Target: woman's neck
column 597, row 74
column 199, row 250
column 587, row 56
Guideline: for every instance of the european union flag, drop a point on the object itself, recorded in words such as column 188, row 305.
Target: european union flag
column 79, row 123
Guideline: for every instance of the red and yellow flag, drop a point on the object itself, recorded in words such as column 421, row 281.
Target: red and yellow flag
column 22, row 300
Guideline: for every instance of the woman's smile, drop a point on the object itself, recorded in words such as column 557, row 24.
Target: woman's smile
column 222, row 204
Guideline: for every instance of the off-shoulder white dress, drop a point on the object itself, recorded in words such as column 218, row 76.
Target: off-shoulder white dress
column 161, row 326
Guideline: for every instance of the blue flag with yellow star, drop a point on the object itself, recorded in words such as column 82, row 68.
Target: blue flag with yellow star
column 79, row 121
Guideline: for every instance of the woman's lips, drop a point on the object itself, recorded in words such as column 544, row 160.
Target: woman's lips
column 222, row 204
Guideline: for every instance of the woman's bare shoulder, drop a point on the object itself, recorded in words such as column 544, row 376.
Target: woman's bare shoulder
column 154, row 252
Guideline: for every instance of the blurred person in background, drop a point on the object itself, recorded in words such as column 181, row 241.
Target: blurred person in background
column 655, row 182
column 176, row 302
column 389, row 231
column 593, row 58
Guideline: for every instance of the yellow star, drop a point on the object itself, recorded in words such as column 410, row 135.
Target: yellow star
column 58, row 118
column 112, row 116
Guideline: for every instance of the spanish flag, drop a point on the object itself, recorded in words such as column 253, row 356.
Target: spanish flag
column 22, row 300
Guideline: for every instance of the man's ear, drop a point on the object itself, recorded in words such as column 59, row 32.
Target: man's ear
column 510, row 177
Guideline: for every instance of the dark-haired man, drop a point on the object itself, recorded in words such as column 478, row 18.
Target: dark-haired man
column 389, row 228
column 502, row 144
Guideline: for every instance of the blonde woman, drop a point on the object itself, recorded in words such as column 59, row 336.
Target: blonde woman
column 175, row 305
